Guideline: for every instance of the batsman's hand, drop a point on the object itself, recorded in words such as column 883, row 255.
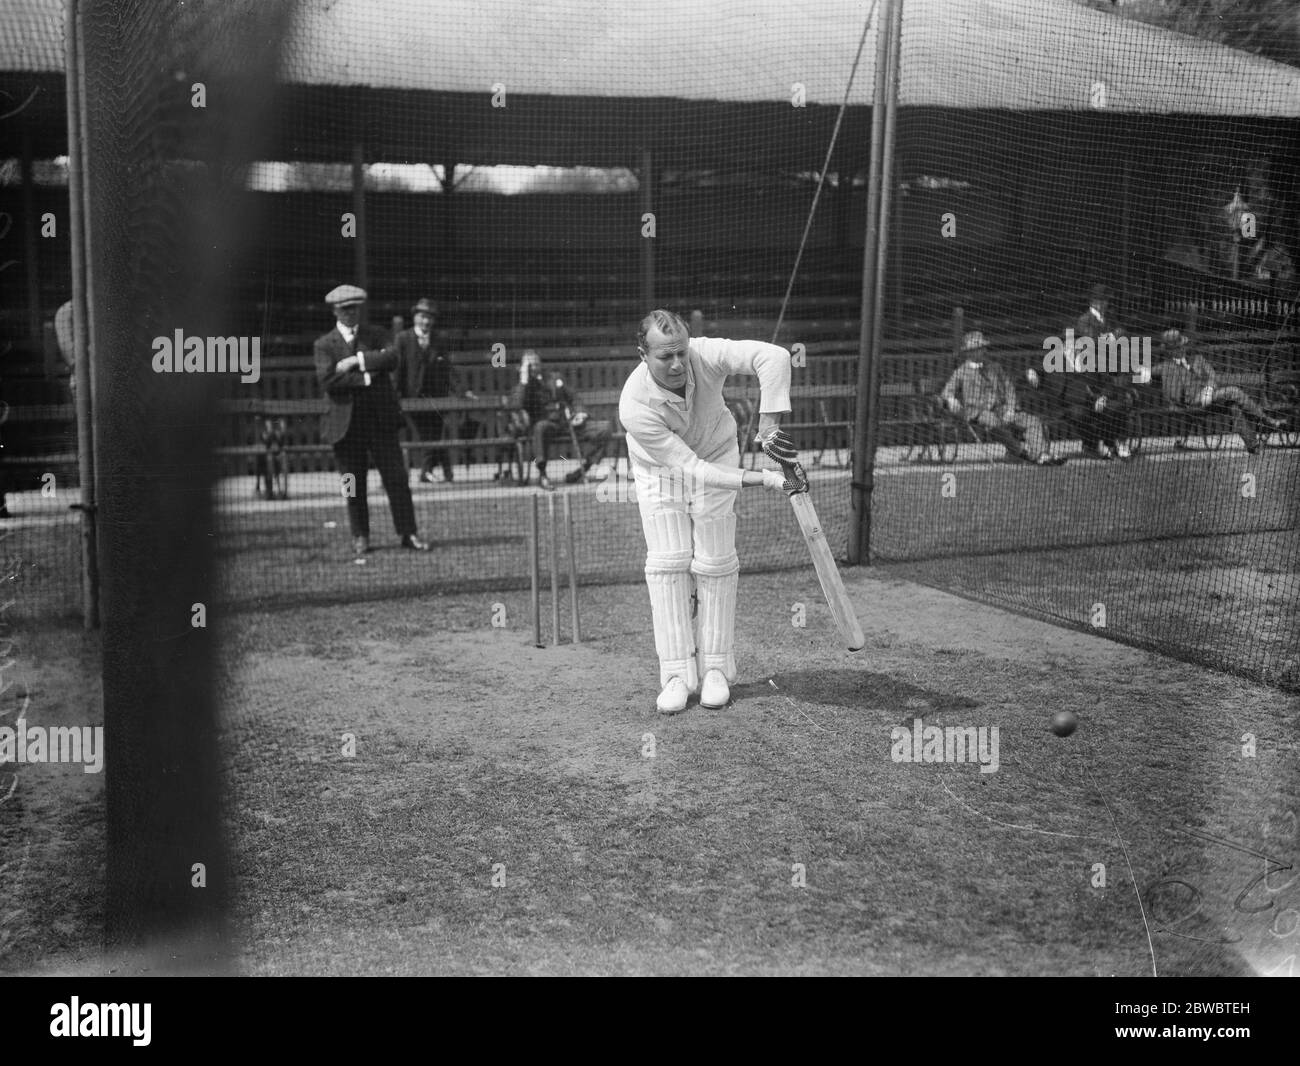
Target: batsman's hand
column 778, row 446
column 788, row 479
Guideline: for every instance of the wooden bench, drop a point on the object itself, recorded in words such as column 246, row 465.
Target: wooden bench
column 1277, row 396
column 940, row 432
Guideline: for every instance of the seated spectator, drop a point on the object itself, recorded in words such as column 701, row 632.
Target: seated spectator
column 1114, row 401
column 1187, row 380
column 544, row 407
column 1079, row 399
column 983, row 393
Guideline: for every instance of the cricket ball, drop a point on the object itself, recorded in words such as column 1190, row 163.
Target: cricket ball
column 1064, row 723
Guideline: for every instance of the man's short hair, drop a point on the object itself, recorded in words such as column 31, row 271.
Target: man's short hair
column 666, row 322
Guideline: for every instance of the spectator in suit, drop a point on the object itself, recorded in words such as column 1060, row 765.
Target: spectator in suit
column 983, row 393
column 1114, row 400
column 1078, row 398
column 354, row 368
column 544, row 407
column 1187, row 380
column 425, row 371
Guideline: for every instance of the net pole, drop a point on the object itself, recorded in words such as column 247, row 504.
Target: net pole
column 80, row 318
column 359, row 209
column 1126, row 233
column 859, row 550
column 30, row 240
column 645, row 183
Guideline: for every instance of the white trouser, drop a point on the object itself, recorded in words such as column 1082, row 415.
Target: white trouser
column 690, row 530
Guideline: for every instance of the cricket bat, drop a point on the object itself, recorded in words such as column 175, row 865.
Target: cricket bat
column 823, row 561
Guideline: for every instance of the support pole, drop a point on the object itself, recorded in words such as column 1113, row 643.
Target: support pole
column 82, row 367
column 645, row 183
column 1126, row 237
column 360, row 259
column 30, row 242
column 874, row 257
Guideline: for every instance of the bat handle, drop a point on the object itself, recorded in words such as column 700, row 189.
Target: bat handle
column 794, row 474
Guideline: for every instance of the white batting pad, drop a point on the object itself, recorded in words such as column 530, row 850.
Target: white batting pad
column 716, row 567
column 670, row 604
column 668, row 577
column 715, row 545
column 667, row 541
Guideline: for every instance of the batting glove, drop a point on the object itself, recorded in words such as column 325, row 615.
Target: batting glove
column 790, row 483
column 779, row 447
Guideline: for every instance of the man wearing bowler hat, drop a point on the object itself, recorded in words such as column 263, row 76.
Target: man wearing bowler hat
column 354, row 368
column 1113, row 406
column 425, row 371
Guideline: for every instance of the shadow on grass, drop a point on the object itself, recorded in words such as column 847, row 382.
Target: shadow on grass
column 861, row 689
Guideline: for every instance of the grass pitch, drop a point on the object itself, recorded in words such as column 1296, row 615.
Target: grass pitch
column 503, row 812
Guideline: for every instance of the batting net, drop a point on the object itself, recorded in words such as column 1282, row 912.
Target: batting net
column 544, row 176
column 1150, row 187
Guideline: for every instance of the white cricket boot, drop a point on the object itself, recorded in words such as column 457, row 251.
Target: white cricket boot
column 715, row 692
column 672, row 700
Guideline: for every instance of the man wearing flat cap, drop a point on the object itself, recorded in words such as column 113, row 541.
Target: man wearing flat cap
column 354, row 367
column 425, row 371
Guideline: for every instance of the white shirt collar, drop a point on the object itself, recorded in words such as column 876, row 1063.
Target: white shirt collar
column 1095, row 313
column 347, row 331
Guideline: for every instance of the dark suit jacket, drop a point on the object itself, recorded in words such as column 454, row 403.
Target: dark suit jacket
column 544, row 399
column 1112, row 386
column 1087, row 326
column 1068, row 389
column 423, row 371
column 348, row 390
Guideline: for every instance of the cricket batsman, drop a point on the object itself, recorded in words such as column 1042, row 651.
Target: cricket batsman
column 683, row 449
